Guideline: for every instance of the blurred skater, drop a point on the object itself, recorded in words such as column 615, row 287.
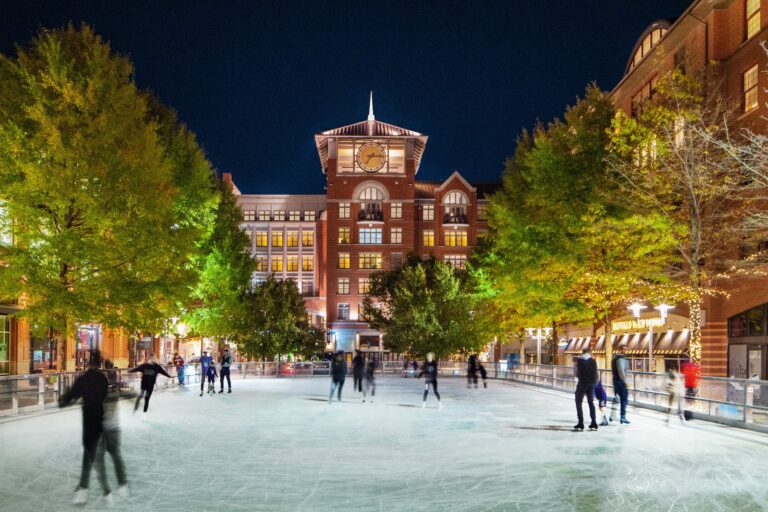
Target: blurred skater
column 91, row 386
column 472, row 371
column 205, row 362
column 149, row 371
column 415, row 366
column 674, row 386
column 602, row 401
column 358, row 368
column 178, row 362
column 483, row 374
column 370, row 380
column 691, row 372
column 111, row 436
column 405, row 368
column 226, row 363
column 338, row 375
column 621, row 392
column 429, row 370
column 586, row 372
column 210, row 375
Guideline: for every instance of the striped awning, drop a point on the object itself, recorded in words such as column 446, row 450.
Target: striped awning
column 669, row 343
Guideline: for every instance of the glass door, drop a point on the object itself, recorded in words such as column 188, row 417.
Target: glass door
column 755, row 363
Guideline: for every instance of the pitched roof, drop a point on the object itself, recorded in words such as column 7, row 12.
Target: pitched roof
column 427, row 189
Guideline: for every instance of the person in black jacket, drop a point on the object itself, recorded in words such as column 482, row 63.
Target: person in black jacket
column 472, row 371
column 358, row 368
column 226, row 363
column 370, row 380
column 338, row 375
column 149, row 371
column 91, row 386
column 429, row 370
column 586, row 372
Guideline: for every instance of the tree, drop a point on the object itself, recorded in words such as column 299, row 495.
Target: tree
column 427, row 306
column 107, row 197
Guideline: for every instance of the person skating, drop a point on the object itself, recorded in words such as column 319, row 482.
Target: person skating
column 92, row 387
column 211, row 375
column 358, row 368
column 619, row 371
column 338, row 375
column 602, row 401
column 586, row 372
column 415, row 366
column 370, row 380
column 483, row 374
column 205, row 362
column 178, row 362
column 226, row 364
column 429, row 370
column 674, row 387
column 111, row 436
column 149, row 371
column 472, row 371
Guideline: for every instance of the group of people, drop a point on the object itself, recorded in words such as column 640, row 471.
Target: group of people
column 208, row 372
column 475, row 366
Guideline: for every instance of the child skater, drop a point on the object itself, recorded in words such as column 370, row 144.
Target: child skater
column 211, row 374
column 602, row 400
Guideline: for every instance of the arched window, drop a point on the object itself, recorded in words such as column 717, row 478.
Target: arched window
column 370, row 204
column 455, row 203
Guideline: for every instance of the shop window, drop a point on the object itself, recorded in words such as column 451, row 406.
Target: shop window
column 750, row 88
column 345, row 236
column 748, row 323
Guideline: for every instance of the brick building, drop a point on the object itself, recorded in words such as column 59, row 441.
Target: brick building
column 374, row 213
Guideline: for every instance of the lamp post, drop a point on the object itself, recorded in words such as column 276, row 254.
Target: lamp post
column 663, row 309
column 538, row 337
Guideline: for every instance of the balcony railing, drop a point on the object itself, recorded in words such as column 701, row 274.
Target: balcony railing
column 370, row 215
column 455, row 218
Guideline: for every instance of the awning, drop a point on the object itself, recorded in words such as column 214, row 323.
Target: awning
column 577, row 345
column 669, row 343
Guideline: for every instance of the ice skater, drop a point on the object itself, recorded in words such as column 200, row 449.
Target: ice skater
column 621, row 392
column 149, row 371
column 586, row 372
column 674, row 387
column 483, row 374
column 338, row 375
column 358, row 368
column 602, row 401
column 205, row 362
column 370, row 380
column 226, row 363
column 415, row 366
column 429, row 370
column 111, row 438
column 211, row 375
column 178, row 362
column 92, row 387
column 472, row 371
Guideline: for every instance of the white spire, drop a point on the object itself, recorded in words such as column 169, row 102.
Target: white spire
column 370, row 109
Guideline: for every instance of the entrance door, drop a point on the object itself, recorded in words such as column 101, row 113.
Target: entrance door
column 755, row 363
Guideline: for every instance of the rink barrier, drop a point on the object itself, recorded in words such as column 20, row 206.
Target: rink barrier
column 740, row 403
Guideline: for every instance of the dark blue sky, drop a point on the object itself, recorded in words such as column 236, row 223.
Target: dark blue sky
column 256, row 79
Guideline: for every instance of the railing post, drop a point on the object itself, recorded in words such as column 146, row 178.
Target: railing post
column 41, row 391
column 634, row 386
column 748, row 401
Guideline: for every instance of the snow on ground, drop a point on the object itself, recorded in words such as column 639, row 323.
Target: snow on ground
column 275, row 445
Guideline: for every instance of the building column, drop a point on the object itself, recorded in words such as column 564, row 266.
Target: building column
column 714, row 349
column 19, row 346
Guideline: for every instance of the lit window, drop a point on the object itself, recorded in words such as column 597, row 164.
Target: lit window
column 249, row 215
column 344, row 210
column 482, row 212
column 370, row 204
column 278, row 215
column 457, row 260
column 343, row 312
column 396, row 235
column 292, row 263
column 261, row 239
column 370, row 235
column 649, row 43
column 277, row 263
column 277, row 239
column 363, row 285
column 370, row 260
column 455, row 203
column 753, row 17
column 308, row 238
column 292, row 238
column 428, row 238
column 750, row 88
column 396, row 210
column 261, row 263
column 455, row 238
column 345, row 236
column 309, row 215
column 294, row 215
column 344, row 260
column 428, row 212
column 307, row 263
column 342, row 286
column 263, row 215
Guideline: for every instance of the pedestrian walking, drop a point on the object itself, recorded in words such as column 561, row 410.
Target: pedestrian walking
column 178, row 362
column 621, row 392
column 587, row 374
column 226, row 364
column 149, row 372
column 205, row 362
column 369, row 380
column 674, row 387
column 429, row 370
column 338, row 375
column 472, row 371
column 358, row 368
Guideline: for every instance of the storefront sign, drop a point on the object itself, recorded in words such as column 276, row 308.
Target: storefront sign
column 635, row 324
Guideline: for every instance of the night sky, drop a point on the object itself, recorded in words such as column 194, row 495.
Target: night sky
column 255, row 80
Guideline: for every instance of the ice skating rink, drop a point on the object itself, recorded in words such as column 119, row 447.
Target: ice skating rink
column 275, row 445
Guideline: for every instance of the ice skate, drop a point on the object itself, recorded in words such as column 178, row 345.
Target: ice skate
column 123, row 492
column 424, row 405
column 229, row 391
column 579, row 427
column 625, row 421
column 593, row 426
column 80, row 497
column 439, row 405
column 604, row 423
column 108, row 500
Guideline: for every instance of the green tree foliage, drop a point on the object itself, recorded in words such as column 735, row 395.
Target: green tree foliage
column 109, row 196
column 427, row 306
column 278, row 322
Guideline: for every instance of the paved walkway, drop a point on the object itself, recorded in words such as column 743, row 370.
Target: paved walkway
column 275, row 445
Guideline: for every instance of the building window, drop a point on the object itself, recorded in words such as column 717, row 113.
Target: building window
column 292, row 263
column 395, row 260
column 292, row 238
column 646, row 92
column 457, row 260
column 649, row 43
column 342, row 286
column 396, row 235
column 309, row 215
column 344, row 210
column 370, row 235
column 753, row 17
column 454, row 238
column 249, row 215
column 261, row 238
column 428, row 238
column 370, row 260
column 343, row 312
column 344, row 260
column 307, row 288
column 261, row 263
column 277, row 239
column 363, row 285
column 370, row 204
column 264, row 215
column 294, row 215
column 308, row 238
column 396, row 210
column 249, row 234
column 278, row 215
column 277, row 263
column 750, row 88
column 307, row 263
column 345, row 236
column 482, row 211
column 428, row 212
column 455, row 204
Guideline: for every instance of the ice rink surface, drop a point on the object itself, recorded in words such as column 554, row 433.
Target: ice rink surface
column 275, row 445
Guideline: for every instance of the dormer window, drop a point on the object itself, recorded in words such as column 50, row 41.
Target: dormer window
column 455, row 204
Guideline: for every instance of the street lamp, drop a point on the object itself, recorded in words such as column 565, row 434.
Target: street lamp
column 663, row 309
column 538, row 337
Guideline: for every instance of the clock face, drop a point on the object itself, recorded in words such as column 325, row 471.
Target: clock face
column 371, row 157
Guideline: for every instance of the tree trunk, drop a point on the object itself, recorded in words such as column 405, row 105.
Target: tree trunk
column 694, row 341
column 555, row 352
column 522, row 352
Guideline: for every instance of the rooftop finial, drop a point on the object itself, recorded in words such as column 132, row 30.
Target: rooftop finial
column 370, row 109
